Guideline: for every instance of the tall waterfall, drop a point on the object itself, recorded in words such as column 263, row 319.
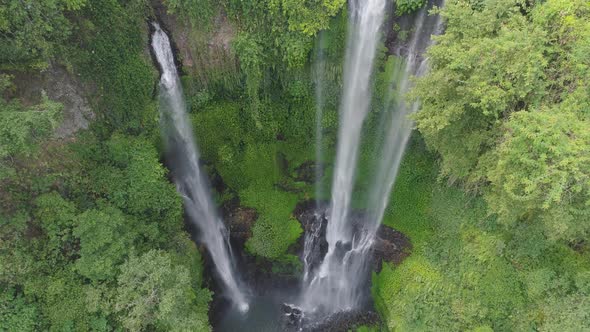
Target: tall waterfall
column 190, row 181
column 333, row 288
column 399, row 126
column 338, row 284
column 319, row 73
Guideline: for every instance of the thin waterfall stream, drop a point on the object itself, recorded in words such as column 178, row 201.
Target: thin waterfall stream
column 319, row 73
column 191, row 183
column 310, row 246
column 399, row 126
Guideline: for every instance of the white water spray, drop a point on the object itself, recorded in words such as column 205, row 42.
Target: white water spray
column 190, row 181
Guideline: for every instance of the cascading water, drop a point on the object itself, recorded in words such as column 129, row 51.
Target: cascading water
column 338, row 283
column 332, row 287
column 190, row 181
column 319, row 74
column 310, row 245
column 400, row 125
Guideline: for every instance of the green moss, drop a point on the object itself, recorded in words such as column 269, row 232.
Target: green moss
column 410, row 207
column 259, row 168
column 275, row 230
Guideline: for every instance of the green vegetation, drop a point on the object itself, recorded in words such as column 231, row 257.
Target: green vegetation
column 505, row 107
column 109, row 52
column 256, row 140
column 509, row 115
column 275, row 39
column 74, row 236
column 408, row 6
column 494, row 191
column 32, row 32
column 23, row 127
column 258, row 168
column 467, row 272
column 91, row 234
column 198, row 12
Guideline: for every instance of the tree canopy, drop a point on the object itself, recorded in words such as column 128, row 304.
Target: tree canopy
column 509, row 114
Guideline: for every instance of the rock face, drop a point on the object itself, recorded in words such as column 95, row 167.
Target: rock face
column 199, row 49
column 293, row 316
column 294, row 319
column 239, row 221
column 345, row 321
column 398, row 39
column 313, row 221
column 63, row 87
column 389, row 246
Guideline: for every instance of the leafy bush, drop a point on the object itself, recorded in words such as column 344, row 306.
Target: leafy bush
column 152, row 291
column 105, row 238
column 23, row 127
column 408, row 6
column 198, row 12
column 466, row 271
column 109, row 54
column 507, row 118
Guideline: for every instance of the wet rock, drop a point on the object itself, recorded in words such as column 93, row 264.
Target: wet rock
column 314, row 221
column 200, row 50
column 344, row 321
column 238, row 220
column 389, row 245
column 286, row 308
column 241, row 221
column 293, row 316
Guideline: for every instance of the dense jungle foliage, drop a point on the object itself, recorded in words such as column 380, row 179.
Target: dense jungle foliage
column 494, row 191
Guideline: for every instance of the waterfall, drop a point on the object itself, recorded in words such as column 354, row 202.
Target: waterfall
column 319, row 72
column 190, row 181
column 313, row 233
column 400, row 125
column 332, row 287
column 338, row 284
column 365, row 23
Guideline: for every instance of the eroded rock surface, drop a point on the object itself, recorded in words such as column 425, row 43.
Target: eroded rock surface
column 199, row 49
column 60, row 86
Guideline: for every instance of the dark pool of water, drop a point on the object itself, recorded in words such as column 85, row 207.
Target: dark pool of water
column 264, row 316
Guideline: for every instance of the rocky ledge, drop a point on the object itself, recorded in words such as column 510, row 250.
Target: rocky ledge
column 389, row 245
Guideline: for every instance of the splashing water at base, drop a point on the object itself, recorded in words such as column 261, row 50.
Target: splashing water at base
column 190, row 181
